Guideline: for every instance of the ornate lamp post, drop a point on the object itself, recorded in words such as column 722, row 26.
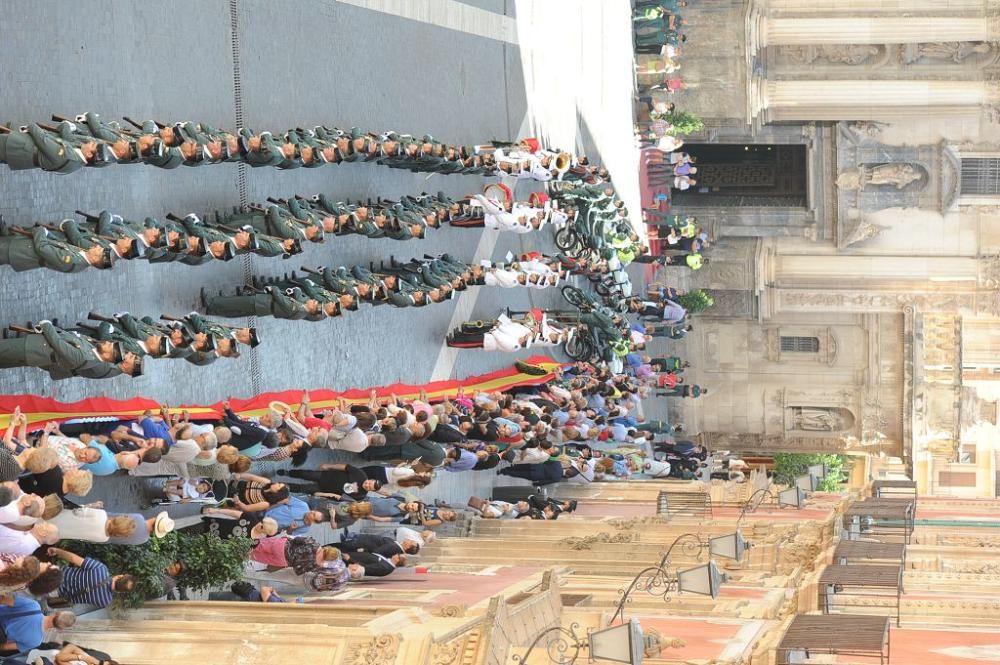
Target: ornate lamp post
column 794, row 497
column 705, row 579
column 623, row 643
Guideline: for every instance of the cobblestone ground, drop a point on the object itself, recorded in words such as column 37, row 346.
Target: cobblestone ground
column 300, row 64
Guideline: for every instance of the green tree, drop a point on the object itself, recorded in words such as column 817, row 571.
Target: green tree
column 789, row 466
column 208, row 562
column 147, row 563
column 695, row 301
column 684, row 123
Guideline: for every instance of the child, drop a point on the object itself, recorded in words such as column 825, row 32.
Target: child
column 184, row 491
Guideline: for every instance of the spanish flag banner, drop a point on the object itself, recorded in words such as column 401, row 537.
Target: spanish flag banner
column 531, row 371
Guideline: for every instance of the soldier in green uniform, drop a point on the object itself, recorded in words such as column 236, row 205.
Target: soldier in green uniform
column 123, row 247
column 683, row 391
column 218, row 244
column 670, row 363
column 656, row 427
column 260, row 149
column 221, row 332
column 38, row 248
column 64, row 354
column 148, row 233
column 36, row 148
column 175, row 340
column 339, row 300
column 669, row 330
column 271, row 301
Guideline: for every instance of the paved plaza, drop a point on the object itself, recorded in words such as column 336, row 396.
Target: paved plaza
column 464, row 72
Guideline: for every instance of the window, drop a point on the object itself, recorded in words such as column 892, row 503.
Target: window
column 957, row 478
column 800, row 344
column 981, row 176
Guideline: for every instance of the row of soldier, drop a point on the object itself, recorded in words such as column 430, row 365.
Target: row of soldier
column 89, row 141
column 279, row 229
column 326, row 292
column 109, row 346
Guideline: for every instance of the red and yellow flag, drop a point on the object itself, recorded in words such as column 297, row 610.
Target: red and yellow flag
column 43, row 409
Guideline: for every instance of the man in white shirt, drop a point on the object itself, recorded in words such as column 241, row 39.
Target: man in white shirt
column 655, row 468
column 23, row 543
column 505, row 278
column 24, row 511
column 584, row 471
column 507, row 335
column 421, row 538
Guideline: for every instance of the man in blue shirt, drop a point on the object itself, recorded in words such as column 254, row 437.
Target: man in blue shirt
column 24, row 625
column 459, row 459
column 295, row 517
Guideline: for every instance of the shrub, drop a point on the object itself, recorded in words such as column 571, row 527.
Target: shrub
column 695, row 301
column 789, row 466
column 684, row 123
column 209, row 562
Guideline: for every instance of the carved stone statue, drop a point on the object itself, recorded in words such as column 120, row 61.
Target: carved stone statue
column 847, row 54
column 954, row 51
column 896, row 174
column 850, row 54
column 816, row 419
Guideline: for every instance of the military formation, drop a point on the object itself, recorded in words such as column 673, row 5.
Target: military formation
column 89, row 141
column 108, row 346
column 281, row 227
column 579, row 198
column 325, row 292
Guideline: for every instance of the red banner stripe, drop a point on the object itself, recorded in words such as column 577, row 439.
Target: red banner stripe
column 43, row 409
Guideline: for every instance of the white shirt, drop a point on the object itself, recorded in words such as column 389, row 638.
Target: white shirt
column 502, row 277
column 585, row 475
column 64, row 446
column 657, row 469
column 397, row 473
column 506, row 336
column 403, row 533
column 18, row 543
column 532, row 456
column 82, row 524
column 207, row 460
column 354, row 440
column 536, row 172
column 183, row 452
column 10, row 513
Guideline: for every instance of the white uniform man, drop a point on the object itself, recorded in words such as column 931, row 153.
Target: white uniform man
column 508, row 335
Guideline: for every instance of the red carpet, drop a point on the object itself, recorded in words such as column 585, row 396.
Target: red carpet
column 42, row 409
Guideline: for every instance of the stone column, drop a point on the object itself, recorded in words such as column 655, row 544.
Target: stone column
column 873, row 100
column 874, row 30
column 870, row 7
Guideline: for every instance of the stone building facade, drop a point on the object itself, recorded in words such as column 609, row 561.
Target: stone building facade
column 850, row 175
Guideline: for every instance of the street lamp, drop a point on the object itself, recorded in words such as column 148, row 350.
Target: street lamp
column 807, row 482
column 623, row 643
column 793, row 497
column 705, row 579
column 732, row 546
column 818, row 470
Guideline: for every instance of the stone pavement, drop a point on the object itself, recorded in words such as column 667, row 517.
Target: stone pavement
column 499, row 69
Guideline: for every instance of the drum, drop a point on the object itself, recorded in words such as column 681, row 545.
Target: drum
column 538, row 199
column 498, row 191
